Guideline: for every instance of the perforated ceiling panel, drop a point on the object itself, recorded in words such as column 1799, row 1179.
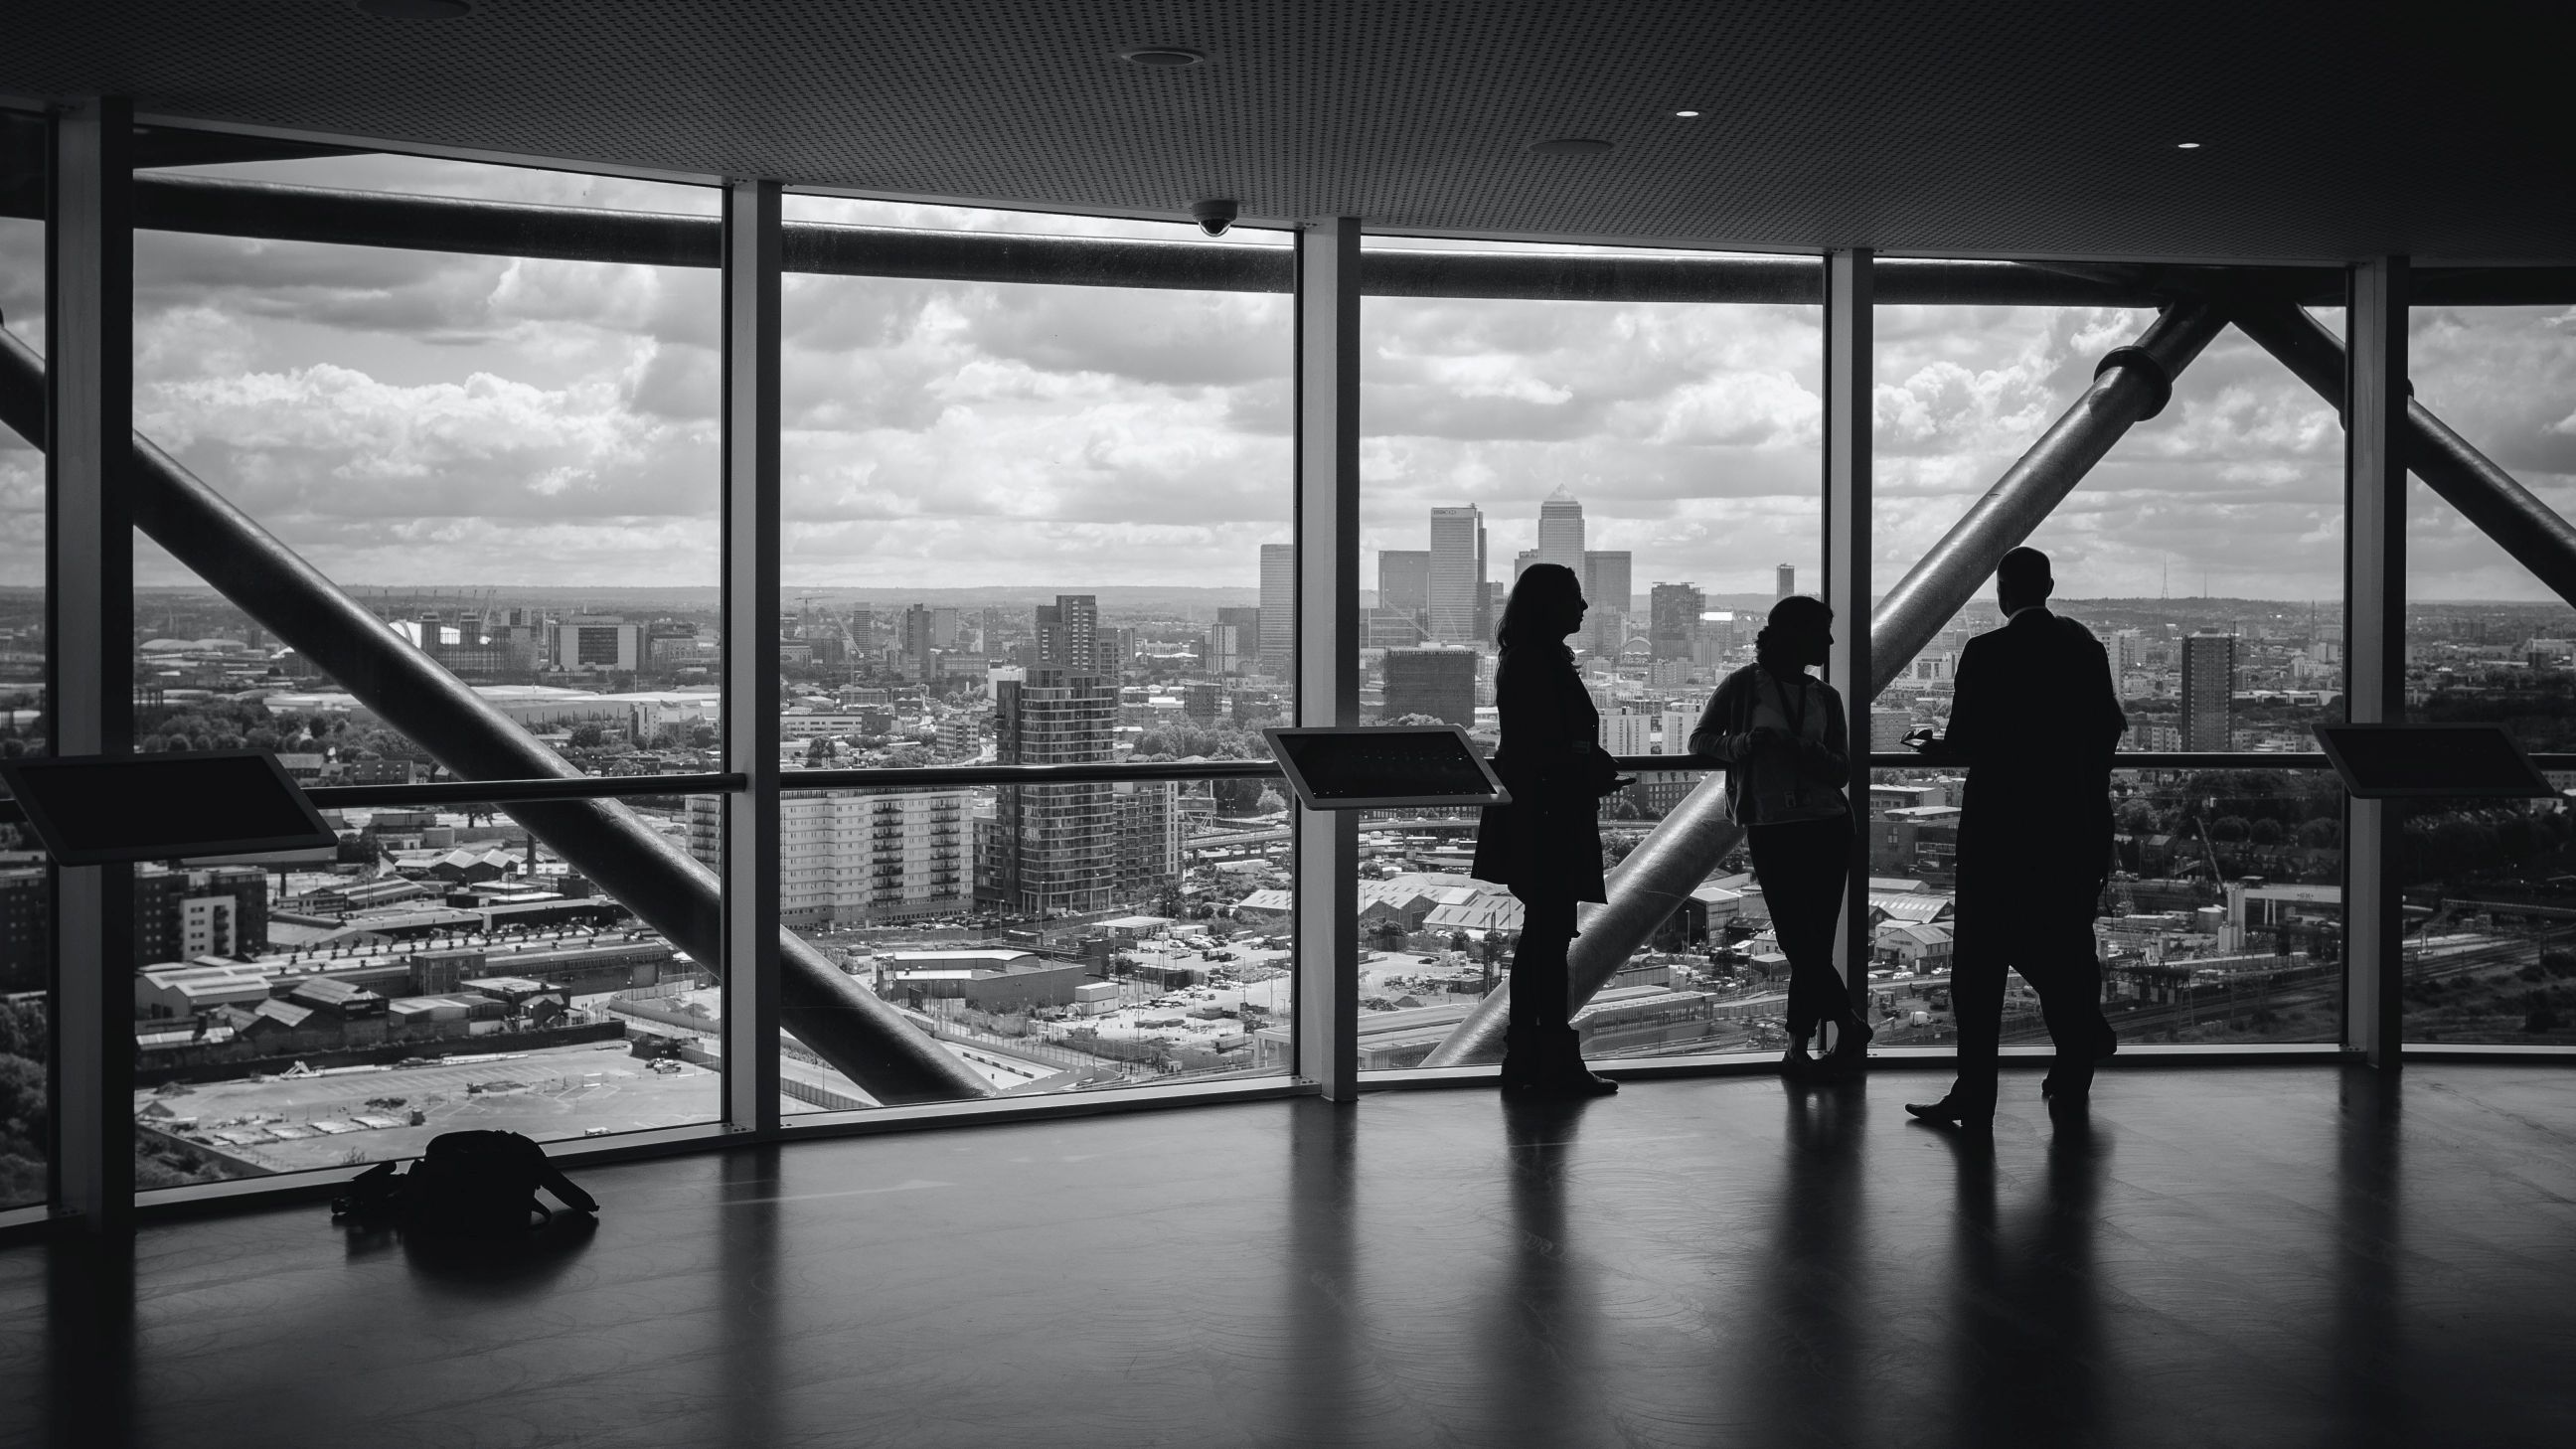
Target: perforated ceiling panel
column 2326, row 130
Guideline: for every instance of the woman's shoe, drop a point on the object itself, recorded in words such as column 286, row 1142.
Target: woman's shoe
column 1796, row 1065
column 1850, row 1056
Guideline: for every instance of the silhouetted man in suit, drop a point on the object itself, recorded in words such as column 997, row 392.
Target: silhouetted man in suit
column 2035, row 719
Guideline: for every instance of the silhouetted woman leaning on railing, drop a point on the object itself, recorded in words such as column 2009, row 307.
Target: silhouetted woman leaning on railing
column 1546, row 844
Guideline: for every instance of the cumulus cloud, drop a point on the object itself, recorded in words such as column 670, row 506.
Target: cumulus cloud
column 419, row 418
column 1689, row 432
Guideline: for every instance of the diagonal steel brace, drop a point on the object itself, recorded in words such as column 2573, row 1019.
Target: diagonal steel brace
column 2523, row 526
column 840, row 1019
column 2131, row 385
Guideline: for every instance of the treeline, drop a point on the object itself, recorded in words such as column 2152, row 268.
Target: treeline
column 1213, row 740
column 236, row 724
column 2255, row 817
column 26, row 1117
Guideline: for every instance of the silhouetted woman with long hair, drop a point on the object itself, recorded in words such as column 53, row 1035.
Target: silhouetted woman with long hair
column 1780, row 733
column 1546, row 844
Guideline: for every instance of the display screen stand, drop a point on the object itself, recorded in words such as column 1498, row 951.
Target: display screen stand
column 104, row 809
column 2400, row 761
column 1385, row 768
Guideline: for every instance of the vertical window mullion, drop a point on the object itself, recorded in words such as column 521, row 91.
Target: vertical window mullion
column 1327, row 644
column 2374, row 622
column 1848, row 500
column 751, row 589
column 89, row 600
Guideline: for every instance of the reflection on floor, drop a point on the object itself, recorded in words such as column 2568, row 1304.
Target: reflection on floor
column 2273, row 1256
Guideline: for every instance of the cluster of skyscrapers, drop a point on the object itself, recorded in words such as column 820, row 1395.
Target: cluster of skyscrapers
column 1432, row 624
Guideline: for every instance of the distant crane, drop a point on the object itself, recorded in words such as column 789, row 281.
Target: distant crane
column 2208, row 851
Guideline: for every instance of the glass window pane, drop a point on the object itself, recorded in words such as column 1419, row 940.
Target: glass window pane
column 1036, row 524
column 2488, row 954
column 986, row 479
column 26, row 892
column 1668, row 453
column 2205, row 552
column 446, row 972
column 510, row 461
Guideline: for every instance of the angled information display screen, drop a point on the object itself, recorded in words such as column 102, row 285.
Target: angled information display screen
column 102, row 809
column 2393, row 761
column 1378, row 769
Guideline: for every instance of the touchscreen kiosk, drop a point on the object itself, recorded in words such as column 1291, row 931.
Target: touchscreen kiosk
column 1379, row 769
column 102, row 809
column 2393, row 761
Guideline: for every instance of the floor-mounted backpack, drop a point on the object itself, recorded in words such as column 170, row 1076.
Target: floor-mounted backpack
column 480, row 1184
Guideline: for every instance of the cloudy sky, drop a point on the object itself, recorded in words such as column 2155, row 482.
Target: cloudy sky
column 421, row 419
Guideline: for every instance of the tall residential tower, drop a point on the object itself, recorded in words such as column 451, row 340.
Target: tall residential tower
column 2208, row 691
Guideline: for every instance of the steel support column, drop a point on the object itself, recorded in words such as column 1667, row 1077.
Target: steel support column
column 839, row 1018
column 1847, row 562
column 87, row 412
column 2531, row 531
column 2374, row 622
column 751, row 589
column 1327, row 667
column 2130, row 385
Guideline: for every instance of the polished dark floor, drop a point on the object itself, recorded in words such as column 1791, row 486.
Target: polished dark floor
column 2290, row 1256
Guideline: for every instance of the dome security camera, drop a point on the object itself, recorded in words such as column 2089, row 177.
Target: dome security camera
column 1213, row 217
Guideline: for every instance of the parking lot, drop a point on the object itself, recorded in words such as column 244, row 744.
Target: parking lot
column 290, row 1124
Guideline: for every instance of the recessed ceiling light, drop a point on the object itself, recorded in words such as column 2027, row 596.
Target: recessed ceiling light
column 1568, row 146
column 416, row 9
column 1685, row 113
column 1161, row 57
column 2186, row 145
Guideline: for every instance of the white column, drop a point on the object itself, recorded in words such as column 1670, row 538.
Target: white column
column 1847, row 557
column 89, row 604
column 2374, row 621
column 751, row 269
column 1328, row 652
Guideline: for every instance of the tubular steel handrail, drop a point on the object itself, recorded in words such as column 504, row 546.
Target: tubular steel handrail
column 511, row 792
column 838, row 1017
column 2131, row 384
column 933, row 777
column 618, row 787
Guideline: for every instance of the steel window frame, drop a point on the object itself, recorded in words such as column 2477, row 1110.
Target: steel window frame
column 89, row 605
column 750, row 411
column 2374, row 622
column 86, row 1170
column 1327, row 514
column 1850, row 364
